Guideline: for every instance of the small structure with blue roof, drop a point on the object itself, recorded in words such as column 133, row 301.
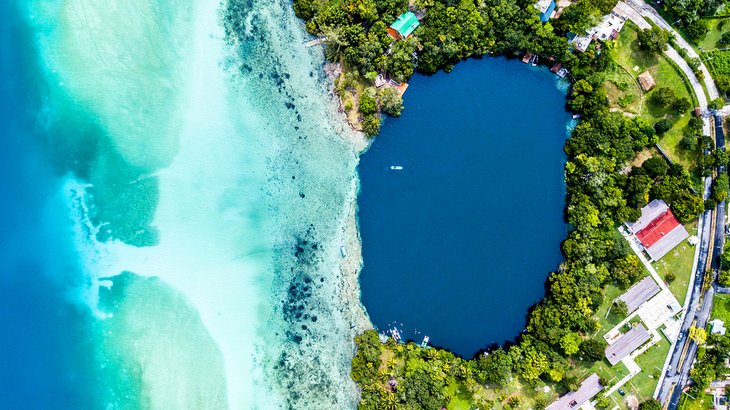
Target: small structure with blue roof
column 404, row 26
column 546, row 8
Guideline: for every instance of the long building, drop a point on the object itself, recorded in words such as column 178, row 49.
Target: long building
column 639, row 293
column 658, row 230
column 573, row 400
column 630, row 341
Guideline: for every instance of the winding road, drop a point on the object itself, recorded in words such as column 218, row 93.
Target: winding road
column 675, row 375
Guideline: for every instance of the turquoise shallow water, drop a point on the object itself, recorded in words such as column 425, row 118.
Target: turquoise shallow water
column 458, row 244
column 194, row 183
column 46, row 348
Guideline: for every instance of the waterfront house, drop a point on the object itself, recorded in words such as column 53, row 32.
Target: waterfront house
column 403, row 26
column 546, row 8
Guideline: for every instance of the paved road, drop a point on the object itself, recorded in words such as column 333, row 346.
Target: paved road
column 698, row 310
column 673, row 375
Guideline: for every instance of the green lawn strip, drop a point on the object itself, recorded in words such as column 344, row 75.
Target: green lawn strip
column 713, row 36
column 703, row 402
column 721, row 308
column 679, row 261
column 670, row 143
column 651, row 363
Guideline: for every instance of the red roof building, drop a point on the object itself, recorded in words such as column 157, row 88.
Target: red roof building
column 658, row 230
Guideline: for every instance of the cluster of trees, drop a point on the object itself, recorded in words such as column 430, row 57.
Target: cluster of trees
column 583, row 15
column 710, row 362
column 667, row 98
column 654, row 40
column 724, row 277
column 452, row 30
column 689, row 14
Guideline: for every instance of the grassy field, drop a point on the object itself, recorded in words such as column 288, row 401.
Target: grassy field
column 717, row 27
column 635, row 61
column 670, row 144
column 679, row 261
column 651, row 363
column 623, row 91
column 721, row 308
column 700, row 403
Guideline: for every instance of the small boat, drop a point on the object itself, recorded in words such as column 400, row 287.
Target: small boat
column 395, row 334
column 534, row 61
column 343, row 251
column 396, row 167
column 425, row 341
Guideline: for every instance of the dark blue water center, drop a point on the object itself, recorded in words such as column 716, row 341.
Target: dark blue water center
column 457, row 245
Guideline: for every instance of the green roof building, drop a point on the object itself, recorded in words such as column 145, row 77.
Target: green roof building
column 403, row 27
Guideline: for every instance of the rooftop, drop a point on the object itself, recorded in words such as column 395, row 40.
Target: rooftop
column 405, row 24
column 648, row 214
column 640, row 293
column 573, row 400
column 657, row 228
column 543, row 5
column 637, row 336
column 718, row 327
column 646, row 81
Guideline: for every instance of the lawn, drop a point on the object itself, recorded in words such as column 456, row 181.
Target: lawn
column 679, row 261
column 629, row 56
column 670, row 143
column 717, row 27
column 721, row 308
column 701, row 403
column 607, row 323
column 651, row 363
column 635, row 61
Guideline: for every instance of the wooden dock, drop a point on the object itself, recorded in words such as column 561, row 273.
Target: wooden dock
column 316, row 42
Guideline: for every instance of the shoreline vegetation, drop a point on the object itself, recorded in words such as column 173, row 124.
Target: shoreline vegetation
column 559, row 345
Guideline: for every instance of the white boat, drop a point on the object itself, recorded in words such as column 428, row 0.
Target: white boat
column 425, row 341
column 396, row 167
column 534, row 61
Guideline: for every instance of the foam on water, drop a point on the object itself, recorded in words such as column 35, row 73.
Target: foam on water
column 212, row 189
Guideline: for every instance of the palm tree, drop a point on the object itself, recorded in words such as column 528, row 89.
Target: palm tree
column 334, row 43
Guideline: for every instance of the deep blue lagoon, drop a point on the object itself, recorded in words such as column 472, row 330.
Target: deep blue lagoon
column 457, row 245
